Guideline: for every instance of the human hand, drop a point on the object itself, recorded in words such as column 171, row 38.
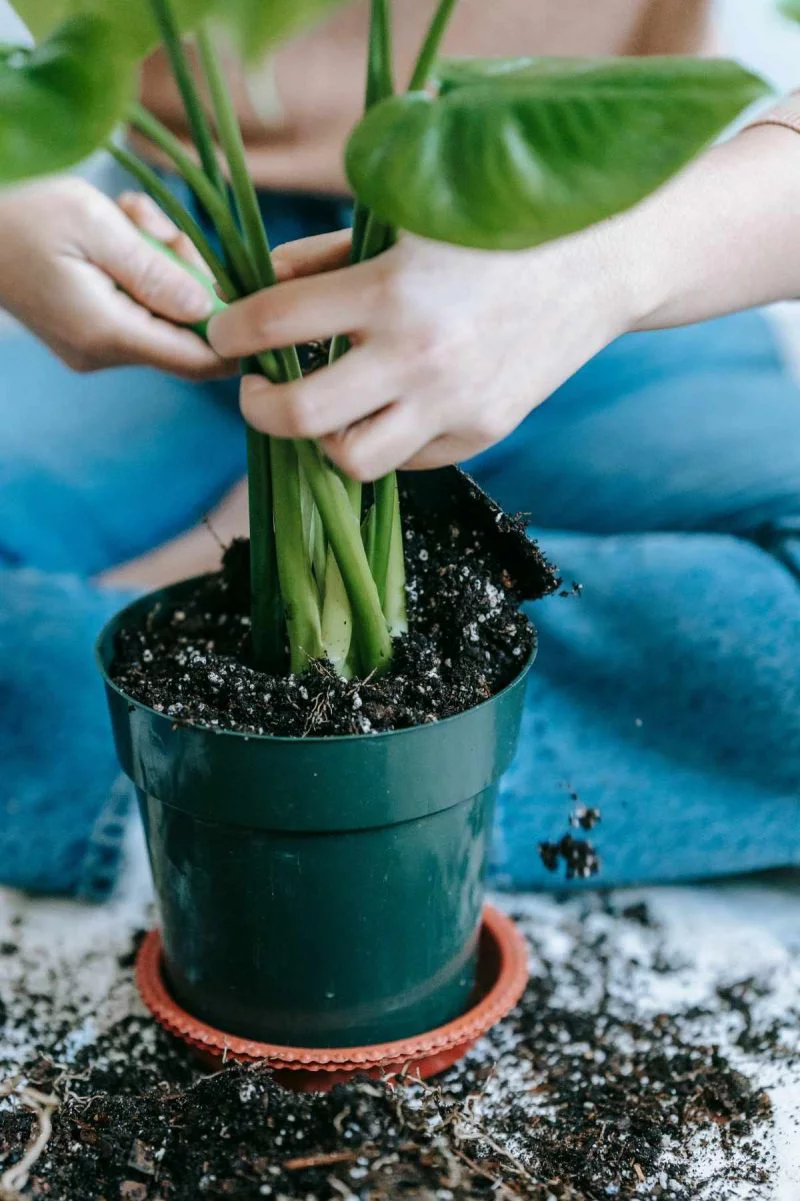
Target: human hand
column 66, row 250
column 452, row 347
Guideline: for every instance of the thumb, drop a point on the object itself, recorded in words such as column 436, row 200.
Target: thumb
column 152, row 277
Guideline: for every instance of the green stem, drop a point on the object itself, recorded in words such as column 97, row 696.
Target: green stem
column 387, row 559
column 281, row 467
column 337, row 619
column 430, row 46
column 278, row 529
column 198, row 122
column 185, row 222
column 380, row 85
column 298, row 588
column 377, row 237
column 395, row 607
column 230, row 136
column 380, row 73
column 215, row 204
column 267, row 628
column 386, row 499
column 343, row 531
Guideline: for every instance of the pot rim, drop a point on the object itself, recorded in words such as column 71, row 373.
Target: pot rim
column 289, row 739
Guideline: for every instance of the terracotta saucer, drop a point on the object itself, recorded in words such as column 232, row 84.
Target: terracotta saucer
column 502, row 976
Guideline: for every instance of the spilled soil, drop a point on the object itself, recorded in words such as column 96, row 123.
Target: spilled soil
column 591, row 1089
column 467, row 640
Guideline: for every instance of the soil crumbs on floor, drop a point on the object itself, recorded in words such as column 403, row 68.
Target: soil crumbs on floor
column 595, row 1088
column 468, row 639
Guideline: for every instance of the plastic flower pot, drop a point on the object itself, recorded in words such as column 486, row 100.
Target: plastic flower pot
column 325, row 892
column 316, row 891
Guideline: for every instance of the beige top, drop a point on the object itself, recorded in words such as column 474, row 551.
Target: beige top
column 298, row 108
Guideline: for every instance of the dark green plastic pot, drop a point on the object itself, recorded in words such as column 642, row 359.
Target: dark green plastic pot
column 316, row 891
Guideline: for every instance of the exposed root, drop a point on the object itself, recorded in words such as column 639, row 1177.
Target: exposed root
column 14, row 1179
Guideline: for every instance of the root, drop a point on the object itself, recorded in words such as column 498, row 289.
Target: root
column 14, row 1179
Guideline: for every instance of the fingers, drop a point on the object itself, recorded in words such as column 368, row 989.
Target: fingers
column 322, row 403
column 301, row 310
column 137, row 337
column 143, row 211
column 382, row 443
column 443, row 451
column 310, row 256
column 148, row 276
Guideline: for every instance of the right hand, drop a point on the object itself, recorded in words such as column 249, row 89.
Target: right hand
column 75, row 270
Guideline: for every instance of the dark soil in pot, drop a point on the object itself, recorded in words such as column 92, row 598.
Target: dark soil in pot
column 467, row 640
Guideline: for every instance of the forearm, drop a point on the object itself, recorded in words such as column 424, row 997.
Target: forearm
column 195, row 552
column 723, row 236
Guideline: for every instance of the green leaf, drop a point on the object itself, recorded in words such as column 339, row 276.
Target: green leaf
column 255, row 24
column 131, row 21
column 512, row 153
column 790, row 9
column 59, row 100
column 62, row 99
column 259, row 24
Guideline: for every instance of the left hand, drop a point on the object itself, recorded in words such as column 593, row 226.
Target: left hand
column 75, row 270
column 451, row 347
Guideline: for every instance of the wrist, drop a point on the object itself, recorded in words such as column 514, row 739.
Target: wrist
column 635, row 281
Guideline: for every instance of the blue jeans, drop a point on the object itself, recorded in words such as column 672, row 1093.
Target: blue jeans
column 665, row 477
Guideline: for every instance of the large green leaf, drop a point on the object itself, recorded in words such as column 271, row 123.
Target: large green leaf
column 255, row 24
column 258, row 24
column 790, row 9
column 131, row 21
column 511, row 153
column 60, row 100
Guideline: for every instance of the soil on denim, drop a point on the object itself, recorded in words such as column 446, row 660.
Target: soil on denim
column 468, row 638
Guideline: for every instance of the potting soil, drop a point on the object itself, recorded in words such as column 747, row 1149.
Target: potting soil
column 468, row 639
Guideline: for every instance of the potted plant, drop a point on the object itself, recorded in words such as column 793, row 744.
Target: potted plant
column 316, row 759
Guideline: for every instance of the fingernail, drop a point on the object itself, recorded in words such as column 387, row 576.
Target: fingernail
column 252, row 395
column 253, row 387
column 212, row 333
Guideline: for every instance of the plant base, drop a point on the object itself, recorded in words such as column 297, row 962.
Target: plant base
column 502, row 976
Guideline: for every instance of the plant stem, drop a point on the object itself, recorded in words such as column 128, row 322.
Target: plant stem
column 386, row 533
column 279, row 469
column 385, row 496
column 280, row 551
column 380, row 85
column 430, row 46
column 198, row 123
column 395, row 605
column 215, row 204
column 380, row 72
column 185, row 222
column 266, row 606
column 337, row 619
column 230, row 136
column 343, row 531
column 297, row 585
